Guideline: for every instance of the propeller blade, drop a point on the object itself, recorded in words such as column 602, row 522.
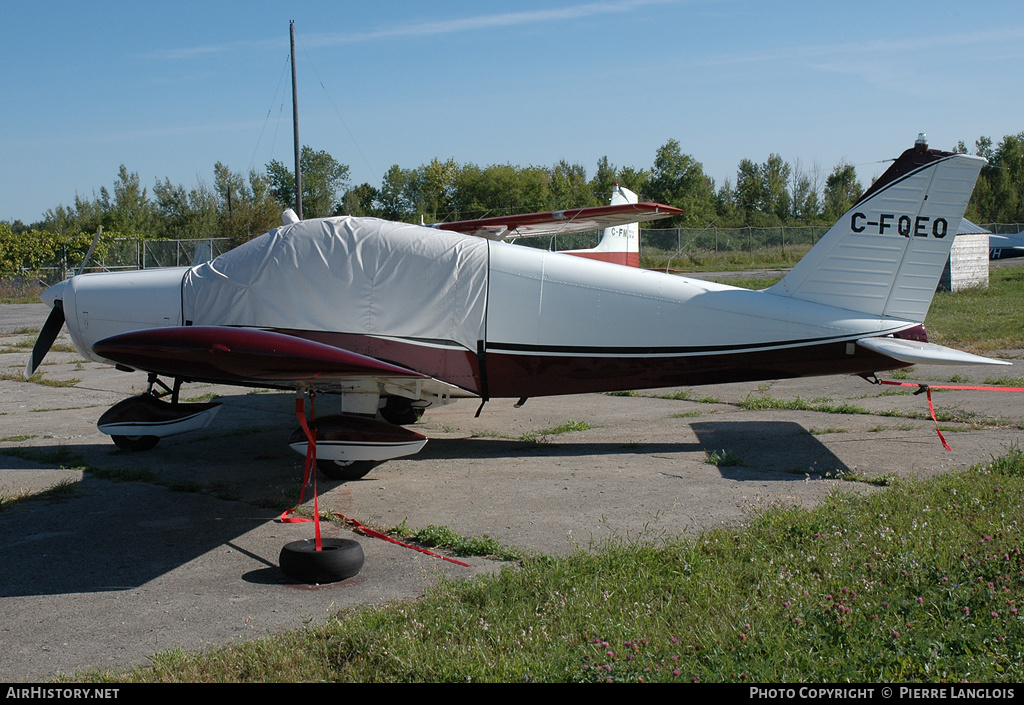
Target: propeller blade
column 49, row 333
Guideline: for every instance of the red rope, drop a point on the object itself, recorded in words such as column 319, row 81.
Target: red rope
column 311, row 471
column 927, row 388
column 286, row 517
column 384, row 537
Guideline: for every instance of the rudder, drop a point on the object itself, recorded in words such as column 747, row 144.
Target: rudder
column 885, row 255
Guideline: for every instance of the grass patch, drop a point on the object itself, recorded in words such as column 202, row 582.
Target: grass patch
column 16, row 439
column 724, row 458
column 60, row 456
column 537, row 437
column 758, row 402
column 1004, row 381
column 202, row 398
column 921, row 582
column 445, row 537
column 678, row 395
column 38, row 378
column 64, row 490
column 567, row 427
column 980, row 320
column 901, row 427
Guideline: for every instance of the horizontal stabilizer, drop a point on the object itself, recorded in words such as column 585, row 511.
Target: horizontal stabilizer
column 915, row 352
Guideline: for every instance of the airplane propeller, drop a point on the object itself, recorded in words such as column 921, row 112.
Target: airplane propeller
column 51, row 329
column 46, row 337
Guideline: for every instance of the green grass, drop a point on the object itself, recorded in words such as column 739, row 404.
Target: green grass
column 445, row 537
column 17, row 439
column 537, row 437
column 61, row 492
column 981, row 320
column 38, row 378
column 724, row 458
column 923, row 582
column 760, row 401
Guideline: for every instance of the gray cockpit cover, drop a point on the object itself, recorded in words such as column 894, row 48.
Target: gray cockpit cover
column 348, row 275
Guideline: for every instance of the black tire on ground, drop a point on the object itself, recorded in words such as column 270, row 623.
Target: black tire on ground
column 400, row 411
column 340, row 470
column 339, row 559
column 133, row 444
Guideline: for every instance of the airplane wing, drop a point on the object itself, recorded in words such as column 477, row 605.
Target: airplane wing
column 248, row 356
column 915, row 352
column 575, row 220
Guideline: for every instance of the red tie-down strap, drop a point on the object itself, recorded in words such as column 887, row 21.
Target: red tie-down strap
column 384, row 537
column 927, row 388
column 310, row 471
column 287, row 517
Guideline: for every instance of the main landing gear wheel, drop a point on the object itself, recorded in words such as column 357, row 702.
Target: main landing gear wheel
column 134, row 444
column 345, row 470
column 339, row 559
column 400, row 411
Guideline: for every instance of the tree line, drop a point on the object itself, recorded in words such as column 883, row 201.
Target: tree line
column 240, row 206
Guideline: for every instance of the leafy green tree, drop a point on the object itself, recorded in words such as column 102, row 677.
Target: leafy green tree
column 678, row 180
column 500, row 189
column 323, row 179
column 750, row 189
column 729, row 215
column 132, row 213
column 842, row 190
column 762, row 191
column 636, row 180
column 360, row 201
column 775, row 172
column 432, row 188
column 247, row 208
column 805, row 204
column 394, row 202
column 569, row 187
column 186, row 214
column 604, row 180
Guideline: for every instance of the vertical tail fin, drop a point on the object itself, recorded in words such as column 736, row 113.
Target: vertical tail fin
column 885, row 255
column 620, row 243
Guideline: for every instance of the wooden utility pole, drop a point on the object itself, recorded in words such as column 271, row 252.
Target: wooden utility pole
column 295, row 126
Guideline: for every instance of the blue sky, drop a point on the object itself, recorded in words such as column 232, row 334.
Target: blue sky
column 168, row 89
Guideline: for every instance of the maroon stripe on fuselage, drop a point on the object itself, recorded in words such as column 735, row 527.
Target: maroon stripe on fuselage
column 534, row 374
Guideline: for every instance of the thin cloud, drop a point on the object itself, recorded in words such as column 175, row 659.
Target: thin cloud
column 428, row 29
column 1008, row 37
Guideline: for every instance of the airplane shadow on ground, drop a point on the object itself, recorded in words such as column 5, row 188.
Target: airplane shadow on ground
column 767, row 445
column 109, row 536
column 747, row 447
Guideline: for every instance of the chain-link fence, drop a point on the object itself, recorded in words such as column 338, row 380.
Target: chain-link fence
column 713, row 241
column 132, row 253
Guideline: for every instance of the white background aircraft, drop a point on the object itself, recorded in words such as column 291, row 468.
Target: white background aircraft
column 620, row 239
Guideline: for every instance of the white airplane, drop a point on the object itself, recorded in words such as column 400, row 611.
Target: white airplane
column 397, row 318
column 620, row 239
